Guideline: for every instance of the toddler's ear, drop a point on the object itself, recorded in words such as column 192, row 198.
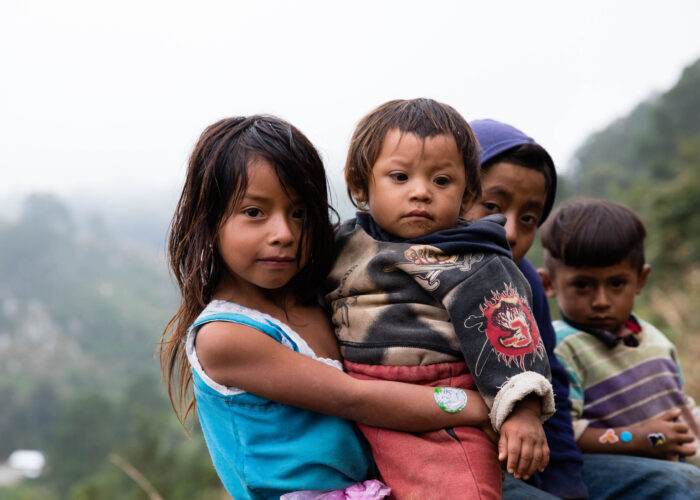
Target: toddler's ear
column 642, row 279
column 547, row 283
column 358, row 195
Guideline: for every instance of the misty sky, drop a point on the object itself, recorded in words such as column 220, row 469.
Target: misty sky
column 110, row 96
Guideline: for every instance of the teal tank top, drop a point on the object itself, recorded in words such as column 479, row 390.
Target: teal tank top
column 260, row 448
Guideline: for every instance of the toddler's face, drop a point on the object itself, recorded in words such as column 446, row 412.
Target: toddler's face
column 417, row 185
column 600, row 297
column 517, row 192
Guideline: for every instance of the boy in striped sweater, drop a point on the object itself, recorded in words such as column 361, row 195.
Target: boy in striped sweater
column 625, row 380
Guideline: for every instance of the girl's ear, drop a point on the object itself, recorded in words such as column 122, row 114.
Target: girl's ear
column 547, row 283
column 642, row 279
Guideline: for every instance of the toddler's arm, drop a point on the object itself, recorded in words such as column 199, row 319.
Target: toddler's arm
column 666, row 437
column 523, row 445
column 240, row 356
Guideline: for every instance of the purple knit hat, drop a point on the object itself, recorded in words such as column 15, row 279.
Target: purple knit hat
column 495, row 138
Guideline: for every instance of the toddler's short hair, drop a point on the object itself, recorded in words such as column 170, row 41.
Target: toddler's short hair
column 593, row 233
column 426, row 118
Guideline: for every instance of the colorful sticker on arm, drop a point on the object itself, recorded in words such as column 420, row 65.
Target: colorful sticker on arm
column 450, row 399
column 656, row 439
column 608, row 437
column 626, row 436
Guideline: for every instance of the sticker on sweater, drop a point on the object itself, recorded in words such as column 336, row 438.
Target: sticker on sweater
column 656, row 439
column 608, row 437
column 626, row 436
column 511, row 330
column 450, row 399
column 425, row 263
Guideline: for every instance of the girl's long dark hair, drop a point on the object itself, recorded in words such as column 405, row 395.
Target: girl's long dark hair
column 216, row 178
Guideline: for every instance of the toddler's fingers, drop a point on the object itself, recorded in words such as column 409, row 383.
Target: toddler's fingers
column 502, row 448
column 514, row 458
column 528, row 460
column 545, row 458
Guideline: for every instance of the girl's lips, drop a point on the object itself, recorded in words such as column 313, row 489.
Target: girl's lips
column 277, row 261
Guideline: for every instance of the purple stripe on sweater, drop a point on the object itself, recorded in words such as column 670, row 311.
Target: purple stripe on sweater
column 664, row 383
column 642, row 412
column 629, row 376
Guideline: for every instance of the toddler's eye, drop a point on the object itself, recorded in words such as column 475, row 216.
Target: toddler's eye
column 442, row 181
column 399, row 176
column 253, row 212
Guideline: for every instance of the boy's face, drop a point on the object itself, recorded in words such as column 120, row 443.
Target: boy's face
column 417, row 186
column 600, row 297
column 517, row 192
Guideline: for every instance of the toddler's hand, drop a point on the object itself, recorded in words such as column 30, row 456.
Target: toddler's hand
column 523, row 444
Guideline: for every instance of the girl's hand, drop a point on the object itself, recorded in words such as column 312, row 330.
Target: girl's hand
column 523, row 444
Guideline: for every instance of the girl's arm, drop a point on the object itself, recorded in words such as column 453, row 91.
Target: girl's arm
column 240, row 356
column 665, row 437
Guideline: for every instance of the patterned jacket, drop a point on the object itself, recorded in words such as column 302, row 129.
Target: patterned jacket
column 455, row 295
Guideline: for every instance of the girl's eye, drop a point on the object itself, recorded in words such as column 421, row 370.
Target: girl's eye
column 399, row 177
column 442, row 181
column 299, row 213
column 253, row 212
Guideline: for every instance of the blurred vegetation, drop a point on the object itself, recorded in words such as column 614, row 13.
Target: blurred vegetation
column 81, row 313
column 80, row 317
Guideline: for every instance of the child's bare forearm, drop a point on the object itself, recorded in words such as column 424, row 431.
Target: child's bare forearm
column 415, row 408
column 665, row 438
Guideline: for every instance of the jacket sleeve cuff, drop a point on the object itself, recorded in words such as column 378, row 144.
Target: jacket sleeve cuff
column 516, row 388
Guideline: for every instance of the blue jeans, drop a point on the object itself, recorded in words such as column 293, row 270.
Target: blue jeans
column 622, row 477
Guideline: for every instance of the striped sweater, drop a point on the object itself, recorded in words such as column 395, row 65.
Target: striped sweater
column 619, row 386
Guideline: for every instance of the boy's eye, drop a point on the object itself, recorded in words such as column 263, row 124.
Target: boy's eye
column 399, row 176
column 442, row 181
column 618, row 283
column 580, row 285
column 253, row 212
column 530, row 220
column 491, row 207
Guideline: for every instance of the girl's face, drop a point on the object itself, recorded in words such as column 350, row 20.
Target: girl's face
column 517, row 192
column 260, row 240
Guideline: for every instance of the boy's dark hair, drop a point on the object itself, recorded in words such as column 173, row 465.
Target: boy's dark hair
column 425, row 118
column 593, row 233
column 216, row 179
column 534, row 157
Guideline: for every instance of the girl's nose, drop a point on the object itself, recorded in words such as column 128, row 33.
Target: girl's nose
column 281, row 231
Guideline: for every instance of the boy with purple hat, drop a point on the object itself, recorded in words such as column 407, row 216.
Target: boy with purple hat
column 519, row 181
